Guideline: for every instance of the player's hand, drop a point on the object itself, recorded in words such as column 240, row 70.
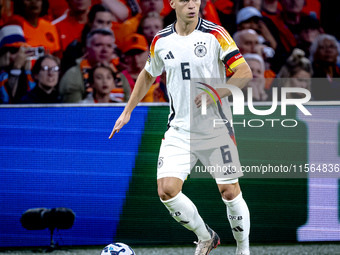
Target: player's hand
column 198, row 99
column 121, row 121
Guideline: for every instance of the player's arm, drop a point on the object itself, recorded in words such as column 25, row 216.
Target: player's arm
column 142, row 86
column 241, row 76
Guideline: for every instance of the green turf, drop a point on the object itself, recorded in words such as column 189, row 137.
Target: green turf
column 310, row 249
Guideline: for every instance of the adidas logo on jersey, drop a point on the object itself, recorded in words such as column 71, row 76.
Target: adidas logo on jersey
column 169, row 56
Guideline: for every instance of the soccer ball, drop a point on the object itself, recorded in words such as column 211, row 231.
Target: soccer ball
column 117, row 249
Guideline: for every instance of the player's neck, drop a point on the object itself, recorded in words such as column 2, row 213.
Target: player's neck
column 184, row 28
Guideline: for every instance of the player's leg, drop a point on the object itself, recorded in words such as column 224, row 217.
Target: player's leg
column 221, row 153
column 174, row 165
column 181, row 208
column 238, row 214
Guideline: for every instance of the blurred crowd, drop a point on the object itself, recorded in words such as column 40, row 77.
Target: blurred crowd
column 91, row 51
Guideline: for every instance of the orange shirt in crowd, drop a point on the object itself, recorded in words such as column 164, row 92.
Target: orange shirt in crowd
column 69, row 29
column 154, row 94
column 45, row 34
column 287, row 38
column 122, row 30
column 57, row 8
column 210, row 13
column 224, row 6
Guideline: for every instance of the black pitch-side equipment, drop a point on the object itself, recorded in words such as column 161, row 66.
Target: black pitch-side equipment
column 42, row 218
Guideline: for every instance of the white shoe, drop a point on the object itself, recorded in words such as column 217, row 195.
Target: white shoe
column 205, row 247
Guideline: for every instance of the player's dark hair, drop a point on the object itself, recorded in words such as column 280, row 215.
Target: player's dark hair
column 18, row 7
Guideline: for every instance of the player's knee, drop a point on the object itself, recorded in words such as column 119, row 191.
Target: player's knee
column 229, row 192
column 166, row 192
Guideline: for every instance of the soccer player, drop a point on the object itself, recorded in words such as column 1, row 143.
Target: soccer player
column 195, row 48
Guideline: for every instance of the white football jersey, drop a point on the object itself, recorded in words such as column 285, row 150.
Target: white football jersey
column 193, row 63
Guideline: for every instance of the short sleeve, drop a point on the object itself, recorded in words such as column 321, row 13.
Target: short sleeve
column 154, row 64
column 228, row 51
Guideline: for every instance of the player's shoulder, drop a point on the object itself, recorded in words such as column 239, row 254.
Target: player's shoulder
column 165, row 32
column 207, row 26
column 219, row 32
column 162, row 34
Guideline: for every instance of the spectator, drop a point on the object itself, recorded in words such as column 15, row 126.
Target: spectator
column 98, row 17
column 309, row 30
column 130, row 26
column 15, row 65
column 250, row 18
column 286, row 23
column 74, row 84
column 297, row 73
column 57, row 8
column 119, row 10
column 323, row 55
column 209, row 12
column 150, row 25
column 72, row 22
column 6, row 11
column 136, row 53
column 292, row 13
column 247, row 42
column 245, row 3
column 46, row 75
column 105, row 90
column 151, row 6
column 257, row 84
column 37, row 30
column 270, row 7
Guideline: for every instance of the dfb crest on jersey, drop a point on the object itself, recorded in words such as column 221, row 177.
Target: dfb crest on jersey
column 200, row 49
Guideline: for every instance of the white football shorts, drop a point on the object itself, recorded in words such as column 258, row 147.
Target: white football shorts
column 178, row 155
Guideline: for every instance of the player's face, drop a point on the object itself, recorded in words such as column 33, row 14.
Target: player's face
column 101, row 48
column 103, row 81
column 48, row 75
column 102, row 20
column 186, row 10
